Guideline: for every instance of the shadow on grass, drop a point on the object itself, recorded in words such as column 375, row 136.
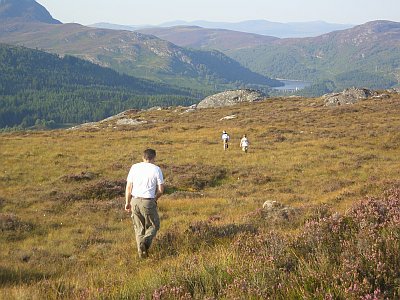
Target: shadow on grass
column 192, row 177
column 13, row 277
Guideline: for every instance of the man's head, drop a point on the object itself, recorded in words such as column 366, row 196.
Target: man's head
column 149, row 154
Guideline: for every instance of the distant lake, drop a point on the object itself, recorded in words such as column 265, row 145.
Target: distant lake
column 292, row 85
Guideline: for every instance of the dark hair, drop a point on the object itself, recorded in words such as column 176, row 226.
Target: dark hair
column 149, row 154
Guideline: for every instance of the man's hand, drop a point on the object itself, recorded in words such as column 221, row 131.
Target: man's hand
column 128, row 197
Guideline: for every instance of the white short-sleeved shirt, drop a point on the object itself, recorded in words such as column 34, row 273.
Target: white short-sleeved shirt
column 145, row 178
column 225, row 136
column 244, row 142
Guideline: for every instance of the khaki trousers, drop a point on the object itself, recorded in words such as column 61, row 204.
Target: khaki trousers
column 146, row 221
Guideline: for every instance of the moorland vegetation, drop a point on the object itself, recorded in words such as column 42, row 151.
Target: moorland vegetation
column 332, row 170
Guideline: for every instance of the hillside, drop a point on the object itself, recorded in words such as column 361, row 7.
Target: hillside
column 332, row 232
column 201, row 38
column 128, row 52
column 133, row 53
column 39, row 87
column 25, row 10
column 367, row 55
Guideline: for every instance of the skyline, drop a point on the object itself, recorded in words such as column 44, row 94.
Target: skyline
column 125, row 12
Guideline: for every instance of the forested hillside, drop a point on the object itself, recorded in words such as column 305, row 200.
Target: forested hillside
column 135, row 54
column 367, row 55
column 37, row 87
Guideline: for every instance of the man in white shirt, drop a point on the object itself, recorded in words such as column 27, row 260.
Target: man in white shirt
column 145, row 184
column 244, row 143
column 225, row 139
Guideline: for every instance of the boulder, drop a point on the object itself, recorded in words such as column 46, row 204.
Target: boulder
column 131, row 122
column 348, row 96
column 231, row 97
column 271, row 205
column 276, row 211
column 228, row 117
column 394, row 91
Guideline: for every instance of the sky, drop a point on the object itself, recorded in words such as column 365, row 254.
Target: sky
column 155, row 12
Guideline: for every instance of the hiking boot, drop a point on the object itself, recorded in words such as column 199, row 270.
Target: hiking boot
column 142, row 250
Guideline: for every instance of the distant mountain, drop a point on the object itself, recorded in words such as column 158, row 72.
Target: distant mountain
column 25, row 10
column 105, row 25
column 261, row 27
column 367, row 55
column 133, row 53
column 202, row 38
column 264, row 27
column 36, row 85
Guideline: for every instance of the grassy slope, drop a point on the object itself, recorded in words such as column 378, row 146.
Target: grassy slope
column 301, row 154
column 135, row 54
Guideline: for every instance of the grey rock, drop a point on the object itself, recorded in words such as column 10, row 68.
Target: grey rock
column 348, row 96
column 231, row 97
column 228, row 117
column 394, row 91
column 381, row 96
column 131, row 122
column 272, row 205
column 189, row 110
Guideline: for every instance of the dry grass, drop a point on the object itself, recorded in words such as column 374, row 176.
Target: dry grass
column 64, row 233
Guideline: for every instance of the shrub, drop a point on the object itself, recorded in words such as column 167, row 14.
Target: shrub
column 10, row 222
column 193, row 177
column 104, row 189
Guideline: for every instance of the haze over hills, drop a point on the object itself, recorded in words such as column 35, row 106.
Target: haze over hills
column 202, row 38
column 261, row 27
column 131, row 53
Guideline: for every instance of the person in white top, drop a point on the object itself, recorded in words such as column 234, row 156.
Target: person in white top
column 145, row 184
column 225, row 139
column 244, row 143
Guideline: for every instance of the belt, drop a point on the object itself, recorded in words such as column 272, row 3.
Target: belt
column 143, row 198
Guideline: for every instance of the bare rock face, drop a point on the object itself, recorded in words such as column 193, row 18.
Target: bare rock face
column 232, row 97
column 348, row 96
column 394, row 91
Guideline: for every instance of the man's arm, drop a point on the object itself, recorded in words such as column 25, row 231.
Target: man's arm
column 128, row 196
column 160, row 190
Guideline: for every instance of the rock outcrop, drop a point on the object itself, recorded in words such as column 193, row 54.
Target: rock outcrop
column 394, row 91
column 348, row 96
column 231, row 97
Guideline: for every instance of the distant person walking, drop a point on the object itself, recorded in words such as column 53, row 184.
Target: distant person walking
column 225, row 139
column 244, row 143
column 145, row 184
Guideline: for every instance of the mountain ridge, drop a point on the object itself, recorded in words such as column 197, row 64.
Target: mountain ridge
column 366, row 55
column 261, row 27
column 25, row 10
column 132, row 53
column 203, row 38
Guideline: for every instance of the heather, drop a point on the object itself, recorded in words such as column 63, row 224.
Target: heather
column 332, row 233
